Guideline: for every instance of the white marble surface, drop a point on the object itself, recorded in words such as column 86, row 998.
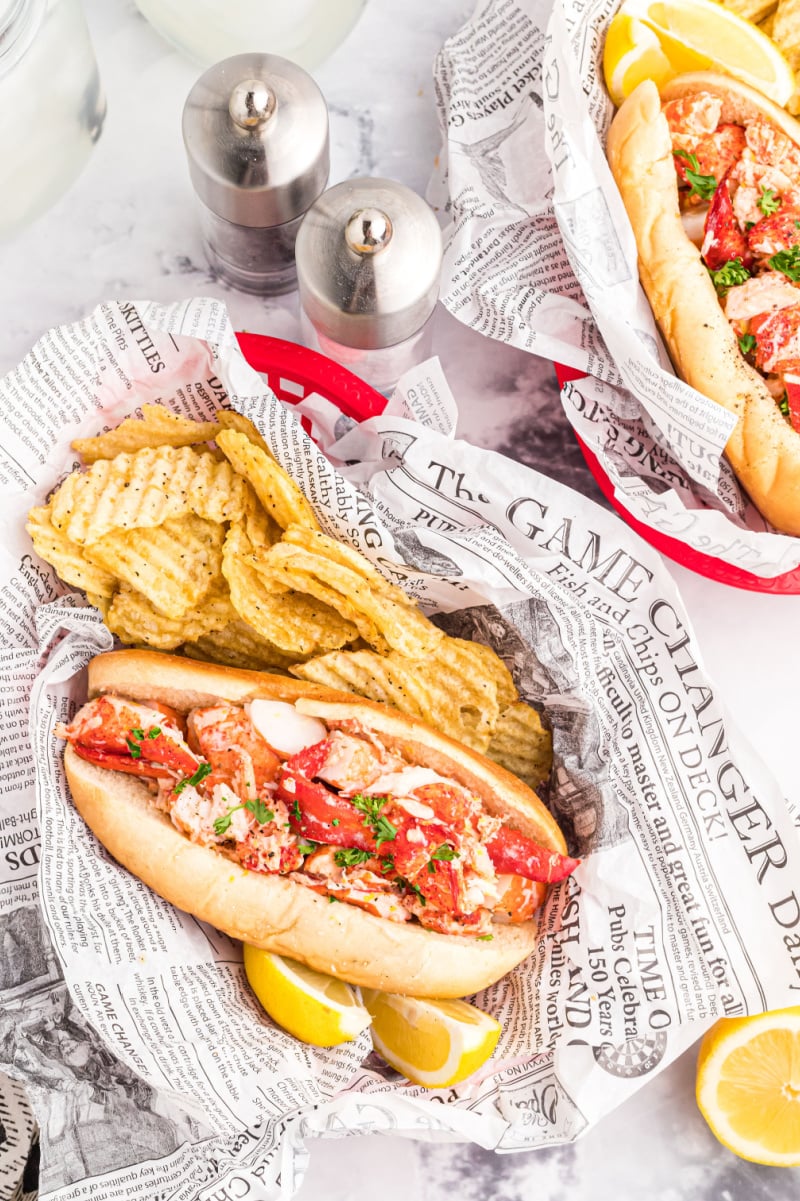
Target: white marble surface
column 127, row 229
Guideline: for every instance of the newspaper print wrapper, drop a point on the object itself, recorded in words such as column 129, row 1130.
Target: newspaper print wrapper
column 540, row 254
column 121, row 1014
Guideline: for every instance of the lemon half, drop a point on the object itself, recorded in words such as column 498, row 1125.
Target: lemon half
column 313, row 1007
column 748, row 1086
column 433, row 1043
column 690, row 35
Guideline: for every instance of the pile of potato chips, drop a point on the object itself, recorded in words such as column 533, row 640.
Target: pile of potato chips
column 215, row 550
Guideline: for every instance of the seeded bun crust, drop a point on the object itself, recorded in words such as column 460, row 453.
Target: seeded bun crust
column 763, row 449
column 272, row 911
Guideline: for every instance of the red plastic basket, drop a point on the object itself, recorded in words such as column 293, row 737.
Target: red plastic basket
column 695, row 560
column 293, row 372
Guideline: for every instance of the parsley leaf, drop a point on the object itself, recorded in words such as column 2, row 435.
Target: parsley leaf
column 732, row 273
column 787, row 261
column 387, row 863
column 137, row 734
column 336, row 822
column 154, row 732
column 371, row 807
column 350, row 857
column 260, row 811
column 409, row 887
column 296, row 813
column 747, row 343
column 197, row 778
column 769, row 202
column 445, row 852
column 783, row 405
column 257, row 807
column 703, row 186
column 134, row 748
column 485, row 937
column 306, row 847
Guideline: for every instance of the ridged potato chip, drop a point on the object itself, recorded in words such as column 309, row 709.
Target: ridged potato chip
column 329, row 548
column 146, row 489
column 390, row 680
column 229, row 419
column 174, row 565
column 66, row 556
column 156, row 427
column 136, row 622
column 522, row 745
column 238, row 645
column 380, row 619
column 294, row 623
column 279, row 494
column 449, row 689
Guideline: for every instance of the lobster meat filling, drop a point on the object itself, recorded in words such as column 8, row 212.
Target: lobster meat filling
column 326, row 804
column 739, row 190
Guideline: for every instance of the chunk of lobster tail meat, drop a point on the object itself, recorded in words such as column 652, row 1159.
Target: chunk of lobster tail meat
column 692, row 118
column 760, row 294
column 130, row 737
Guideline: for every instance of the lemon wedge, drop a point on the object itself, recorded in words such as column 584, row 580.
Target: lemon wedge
column 691, row 35
column 632, row 53
column 313, row 1007
column 433, row 1043
column 748, row 1086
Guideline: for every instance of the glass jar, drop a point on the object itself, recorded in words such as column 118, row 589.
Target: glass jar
column 51, row 105
column 306, row 31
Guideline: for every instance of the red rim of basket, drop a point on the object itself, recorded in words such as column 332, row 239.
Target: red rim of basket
column 687, row 556
column 294, row 371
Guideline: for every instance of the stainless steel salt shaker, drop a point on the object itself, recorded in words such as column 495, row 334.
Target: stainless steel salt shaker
column 255, row 127
column 369, row 256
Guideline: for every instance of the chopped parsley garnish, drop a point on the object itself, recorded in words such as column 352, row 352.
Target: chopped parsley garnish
column 260, row 811
column 335, row 822
column 732, row 273
column 409, row 887
column 783, row 404
column 703, row 186
column 306, row 847
column 331, row 898
column 787, row 261
column 350, row 857
column 257, row 807
column 371, row 807
column 296, row 814
column 769, row 202
column 133, row 747
column 154, row 732
column 203, row 770
column 485, row 937
column 747, row 343
column 445, row 852
column 137, row 734
column 387, row 863
column 748, row 225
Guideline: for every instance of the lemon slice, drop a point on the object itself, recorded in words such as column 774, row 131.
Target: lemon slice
column 314, row 1008
column 632, row 53
column 748, row 1086
column 433, row 1043
column 693, row 35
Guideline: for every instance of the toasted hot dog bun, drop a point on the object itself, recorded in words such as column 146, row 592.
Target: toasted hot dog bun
column 763, row 449
column 274, row 912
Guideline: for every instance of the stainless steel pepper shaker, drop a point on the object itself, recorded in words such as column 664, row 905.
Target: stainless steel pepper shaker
column 369, row 256
column 255, row 127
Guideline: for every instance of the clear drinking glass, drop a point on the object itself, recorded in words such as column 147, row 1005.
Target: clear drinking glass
column 51, row 105
column 305, row 31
